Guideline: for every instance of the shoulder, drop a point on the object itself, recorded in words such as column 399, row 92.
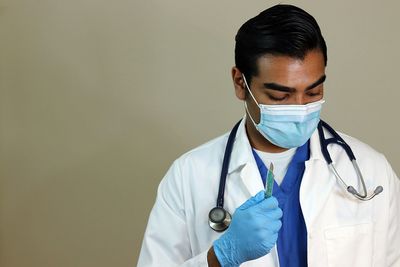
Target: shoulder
column 207, row 153
column 360, row 146
column 364, row 152
column 367, row 157
column 195, row 166
column 207, row 156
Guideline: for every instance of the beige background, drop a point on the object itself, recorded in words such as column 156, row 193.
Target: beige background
column 99, row 97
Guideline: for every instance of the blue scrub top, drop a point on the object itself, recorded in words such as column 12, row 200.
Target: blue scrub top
column 292, row 238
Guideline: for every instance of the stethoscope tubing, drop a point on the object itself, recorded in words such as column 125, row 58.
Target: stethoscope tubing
column 222, row 223
column 337, row 139
column 225, row 165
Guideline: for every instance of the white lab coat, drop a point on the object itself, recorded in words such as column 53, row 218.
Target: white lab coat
column 342, row 231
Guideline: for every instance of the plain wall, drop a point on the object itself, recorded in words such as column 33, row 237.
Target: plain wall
column 99, row 97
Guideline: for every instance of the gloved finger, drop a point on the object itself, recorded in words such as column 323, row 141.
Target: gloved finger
column 275, row 226
column 269, row 204
column 253, row 200
column 274, row 214
column 269, row 241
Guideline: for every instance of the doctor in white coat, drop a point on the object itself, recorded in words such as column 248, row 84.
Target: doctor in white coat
column 310, row 220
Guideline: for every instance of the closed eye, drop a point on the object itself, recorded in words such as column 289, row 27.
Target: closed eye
column 314, row 94
column 274, row 98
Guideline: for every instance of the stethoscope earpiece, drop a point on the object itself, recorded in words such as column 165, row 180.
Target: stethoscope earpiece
column 219, row 219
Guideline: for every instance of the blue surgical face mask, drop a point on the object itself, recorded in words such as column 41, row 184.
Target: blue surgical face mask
column 287, row 126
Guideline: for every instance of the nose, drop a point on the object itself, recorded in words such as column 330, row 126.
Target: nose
column 300, row 99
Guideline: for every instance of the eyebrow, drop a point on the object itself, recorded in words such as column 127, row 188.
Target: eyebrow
column 283, row 88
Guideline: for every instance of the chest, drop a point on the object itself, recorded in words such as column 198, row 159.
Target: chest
column 335, row 222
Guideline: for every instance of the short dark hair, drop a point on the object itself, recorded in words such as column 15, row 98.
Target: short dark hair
column 280, row 30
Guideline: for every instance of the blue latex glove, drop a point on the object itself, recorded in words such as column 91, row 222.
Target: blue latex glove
column 252, row 233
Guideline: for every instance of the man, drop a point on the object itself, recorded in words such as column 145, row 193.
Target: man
column 310, row 219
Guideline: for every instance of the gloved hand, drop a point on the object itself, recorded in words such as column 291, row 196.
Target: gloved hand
column 252, row 233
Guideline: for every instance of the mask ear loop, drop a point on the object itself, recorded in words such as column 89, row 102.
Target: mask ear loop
column 248, row 89
column 257, row 127
column 245, row 103
column 251, row 118
column 248, row 112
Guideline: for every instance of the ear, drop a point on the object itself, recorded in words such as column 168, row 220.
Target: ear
column 238, row 83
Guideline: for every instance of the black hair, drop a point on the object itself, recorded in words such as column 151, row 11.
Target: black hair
column 280, row 30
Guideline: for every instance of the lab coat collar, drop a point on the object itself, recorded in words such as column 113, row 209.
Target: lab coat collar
column 241, row 151
column 242, row 160
column 315, row 147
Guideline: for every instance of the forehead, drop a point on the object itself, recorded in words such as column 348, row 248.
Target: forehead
column 289, row 71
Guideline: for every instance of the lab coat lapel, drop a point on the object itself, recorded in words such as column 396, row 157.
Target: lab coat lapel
column 251, row 178
column 242, row 161
column 317, row 183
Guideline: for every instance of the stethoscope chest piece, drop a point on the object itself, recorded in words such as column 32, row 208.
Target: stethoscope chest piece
column 219, row 219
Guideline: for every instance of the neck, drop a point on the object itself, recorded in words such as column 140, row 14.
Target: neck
column 257, row 141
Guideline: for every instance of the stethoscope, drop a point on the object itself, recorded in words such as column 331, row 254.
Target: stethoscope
column 219, row 218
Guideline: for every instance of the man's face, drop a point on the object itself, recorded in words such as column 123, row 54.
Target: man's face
column 283, row 80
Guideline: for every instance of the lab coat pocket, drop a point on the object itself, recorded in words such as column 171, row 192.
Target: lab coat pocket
column 350, row 246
